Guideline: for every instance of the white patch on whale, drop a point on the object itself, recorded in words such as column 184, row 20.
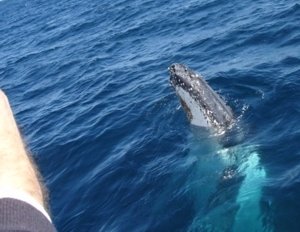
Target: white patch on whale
column 198, row 118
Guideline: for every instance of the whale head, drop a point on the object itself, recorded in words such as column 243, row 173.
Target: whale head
column 203, row 106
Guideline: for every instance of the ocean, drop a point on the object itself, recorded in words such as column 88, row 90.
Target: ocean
column 89, row 85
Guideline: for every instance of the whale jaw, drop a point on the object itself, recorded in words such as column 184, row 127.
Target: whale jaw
column 203, row 106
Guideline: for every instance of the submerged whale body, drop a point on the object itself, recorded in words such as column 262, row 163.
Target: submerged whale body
column 203, row 106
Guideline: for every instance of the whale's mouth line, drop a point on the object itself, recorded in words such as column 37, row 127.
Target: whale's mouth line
column 203, row 106
column 186, row 109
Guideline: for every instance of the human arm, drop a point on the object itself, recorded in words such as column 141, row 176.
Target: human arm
column 22, row 199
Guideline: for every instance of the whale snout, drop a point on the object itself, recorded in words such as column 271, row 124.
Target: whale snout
column 177, row 68
column 179, row 75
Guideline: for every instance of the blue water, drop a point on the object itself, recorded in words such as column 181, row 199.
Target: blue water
column 88, row 83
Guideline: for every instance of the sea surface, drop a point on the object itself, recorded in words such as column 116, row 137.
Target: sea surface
column 89, row 85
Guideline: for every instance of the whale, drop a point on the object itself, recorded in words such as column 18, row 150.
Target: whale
column 203, row 106
column 235, row 170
